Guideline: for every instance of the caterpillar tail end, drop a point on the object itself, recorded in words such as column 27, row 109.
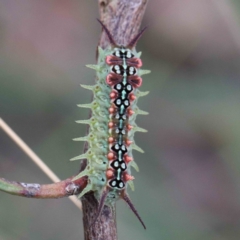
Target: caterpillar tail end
column 126, row 198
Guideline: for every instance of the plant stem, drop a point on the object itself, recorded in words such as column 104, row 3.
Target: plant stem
column 123, row 19
column 34, row 190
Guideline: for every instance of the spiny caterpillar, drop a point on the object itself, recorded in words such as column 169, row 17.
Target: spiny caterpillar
column 112, row 124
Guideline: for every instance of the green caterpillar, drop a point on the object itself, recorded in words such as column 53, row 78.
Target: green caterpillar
column 112, row 125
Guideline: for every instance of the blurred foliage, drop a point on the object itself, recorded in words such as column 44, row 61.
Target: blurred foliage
column 188, row 185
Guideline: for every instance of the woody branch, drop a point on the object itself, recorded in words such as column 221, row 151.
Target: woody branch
column 123, row 19
column 34, row 190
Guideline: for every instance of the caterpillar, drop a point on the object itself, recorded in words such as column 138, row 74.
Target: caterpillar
column 112, row 124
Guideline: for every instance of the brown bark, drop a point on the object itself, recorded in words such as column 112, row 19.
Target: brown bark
column 123, row 19
column 34, row 190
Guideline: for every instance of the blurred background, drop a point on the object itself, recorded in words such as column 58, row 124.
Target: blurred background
column 189, row 182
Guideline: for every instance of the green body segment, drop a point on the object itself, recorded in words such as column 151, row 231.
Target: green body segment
column 97, row 161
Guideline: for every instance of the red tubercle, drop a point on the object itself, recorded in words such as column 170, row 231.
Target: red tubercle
column 135, row 81
column 113, row 60
column 112, row 79
column 109, row 173
column 129, row 127
column 134, row 62
column 128, row 142
column 130, row 112
column 132, row 97
column 127, row 177
column 127, row 159
column 111, row 110
column 113, row 94
column 110, row 156
column 110, row 140
column 110, row 125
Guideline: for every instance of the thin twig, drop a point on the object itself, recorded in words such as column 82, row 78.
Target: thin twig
column 25, row 148
column 34, row 190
